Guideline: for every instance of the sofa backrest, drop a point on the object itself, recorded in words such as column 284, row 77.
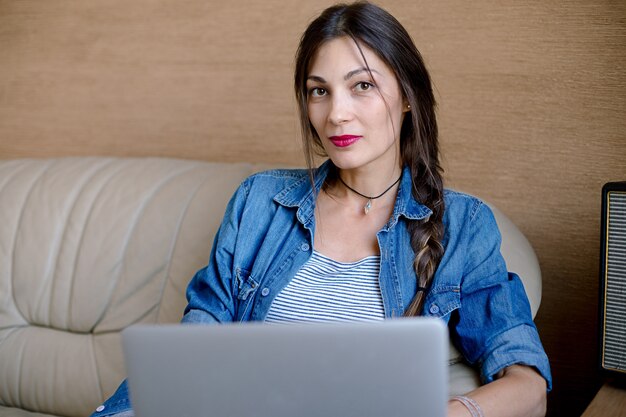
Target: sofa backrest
column 89, row 246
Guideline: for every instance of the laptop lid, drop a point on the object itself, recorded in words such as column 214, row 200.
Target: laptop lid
column 391, row 368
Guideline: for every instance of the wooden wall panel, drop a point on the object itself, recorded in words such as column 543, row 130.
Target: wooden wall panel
column 532, row 100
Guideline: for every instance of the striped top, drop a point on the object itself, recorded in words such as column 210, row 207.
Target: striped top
column 325, row 290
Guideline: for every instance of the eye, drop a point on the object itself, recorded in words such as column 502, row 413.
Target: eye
column 317, row 92
column 363, row 86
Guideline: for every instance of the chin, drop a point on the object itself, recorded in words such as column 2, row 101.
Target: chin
column 344, row 163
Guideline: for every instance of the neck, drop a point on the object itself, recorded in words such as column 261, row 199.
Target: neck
column 383, row 190
column 369, row 183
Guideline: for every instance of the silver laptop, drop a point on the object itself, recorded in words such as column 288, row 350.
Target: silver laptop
column 390, row 368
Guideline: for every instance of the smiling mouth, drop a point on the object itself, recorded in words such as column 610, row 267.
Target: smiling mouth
column 344, row 140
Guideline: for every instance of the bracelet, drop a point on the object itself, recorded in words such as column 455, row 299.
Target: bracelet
column 470, row 404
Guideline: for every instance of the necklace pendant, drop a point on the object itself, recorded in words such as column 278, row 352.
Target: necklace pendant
column 367, row 206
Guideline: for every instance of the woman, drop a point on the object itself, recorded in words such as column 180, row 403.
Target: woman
column 375, row 218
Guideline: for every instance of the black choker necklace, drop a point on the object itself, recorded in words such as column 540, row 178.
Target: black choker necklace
column 368, row 205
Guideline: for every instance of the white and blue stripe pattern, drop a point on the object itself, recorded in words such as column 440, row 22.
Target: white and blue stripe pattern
column 325, row 290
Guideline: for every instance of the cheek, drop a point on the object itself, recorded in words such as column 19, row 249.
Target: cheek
column 316, row 117
column 382, row 118
column 396, row 115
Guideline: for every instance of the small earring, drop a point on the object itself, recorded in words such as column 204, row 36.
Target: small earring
column 408, row 107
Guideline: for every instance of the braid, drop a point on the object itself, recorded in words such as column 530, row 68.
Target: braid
column 426, row 173
column 426, row 236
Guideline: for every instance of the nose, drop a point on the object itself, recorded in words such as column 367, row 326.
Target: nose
column 340, row 110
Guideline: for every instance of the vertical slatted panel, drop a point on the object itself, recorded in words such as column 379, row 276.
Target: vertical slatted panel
column 614, row 341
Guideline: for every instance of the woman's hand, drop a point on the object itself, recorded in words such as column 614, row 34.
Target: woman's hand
column 518, row 391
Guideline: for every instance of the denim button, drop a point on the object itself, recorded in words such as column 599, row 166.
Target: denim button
column 434, row 309
column 265, row 291
column 100, row 408
column 305, row 247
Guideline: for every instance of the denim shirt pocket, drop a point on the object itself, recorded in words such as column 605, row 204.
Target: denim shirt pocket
column 442, row 301
column 246, row 284
column 246, row 287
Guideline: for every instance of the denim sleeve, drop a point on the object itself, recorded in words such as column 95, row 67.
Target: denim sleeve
column 211, row 292
column 117, row 405
column 494, row 327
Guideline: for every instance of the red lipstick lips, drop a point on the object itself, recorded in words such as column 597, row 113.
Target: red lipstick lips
column 344, row 140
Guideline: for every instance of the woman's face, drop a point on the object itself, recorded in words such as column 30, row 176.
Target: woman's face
column 357, row 116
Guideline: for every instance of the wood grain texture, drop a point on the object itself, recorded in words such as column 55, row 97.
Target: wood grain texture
column 609, row 402
column 532, row 100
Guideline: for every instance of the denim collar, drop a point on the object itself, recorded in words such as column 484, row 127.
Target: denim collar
column 300, row 194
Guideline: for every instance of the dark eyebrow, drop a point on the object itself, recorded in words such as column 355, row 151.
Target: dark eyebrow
column 358, row 71
column 346, row 77
column 316, row 78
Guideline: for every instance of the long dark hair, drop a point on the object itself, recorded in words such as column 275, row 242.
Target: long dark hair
column 370, row 25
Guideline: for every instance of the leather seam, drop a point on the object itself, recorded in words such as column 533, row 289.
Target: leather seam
column 176, row 240
column 36, row 180
column 129, row 235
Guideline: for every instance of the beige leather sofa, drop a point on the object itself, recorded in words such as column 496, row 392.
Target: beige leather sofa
column 89, row 246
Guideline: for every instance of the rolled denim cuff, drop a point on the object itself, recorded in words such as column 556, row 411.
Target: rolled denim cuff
column 519, row 345
column 197, row 316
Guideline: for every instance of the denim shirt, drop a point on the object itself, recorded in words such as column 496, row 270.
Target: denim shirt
column 267, row 235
